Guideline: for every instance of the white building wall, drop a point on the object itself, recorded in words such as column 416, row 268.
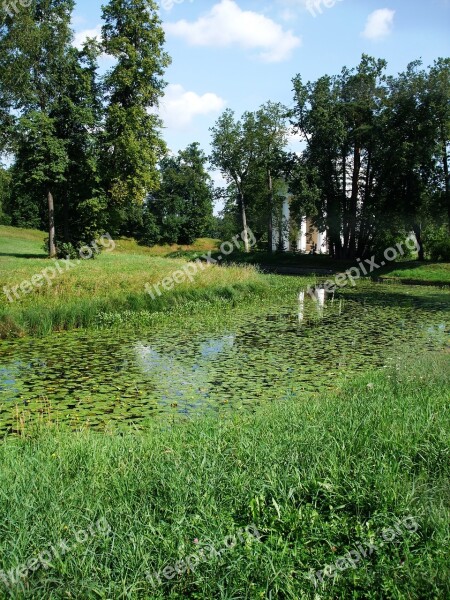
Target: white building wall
column 302, row 234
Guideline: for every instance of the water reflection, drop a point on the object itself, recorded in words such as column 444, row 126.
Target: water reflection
column 183, row 379
column 125, row 377
column 318, row 296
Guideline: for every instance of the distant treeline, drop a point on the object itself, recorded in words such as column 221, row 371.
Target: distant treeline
column 87, row 156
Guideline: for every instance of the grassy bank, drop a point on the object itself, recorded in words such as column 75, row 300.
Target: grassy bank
column 405, row 271
column 317, row 479
column 418, row 273
column 111, row 288
column 112, row 284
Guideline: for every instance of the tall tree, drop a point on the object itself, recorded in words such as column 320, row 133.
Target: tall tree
column 34, row 46
column 182, row 207
column 405, row 160
column 439, row 102
column 132, row 142
column 235, row 154
column 338, row 118
column 272, row 131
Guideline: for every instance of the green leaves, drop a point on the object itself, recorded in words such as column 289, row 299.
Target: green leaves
column 131, row 144
column 181, row 210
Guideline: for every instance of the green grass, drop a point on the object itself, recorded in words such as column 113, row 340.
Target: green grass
column 112, row 283
column 315, row 477
column 17, row 242
column 428, row 272
column 433, row 273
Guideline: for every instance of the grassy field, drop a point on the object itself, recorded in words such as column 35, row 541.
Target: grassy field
column 143, row 516
column 432, row 273
column 112, row 283
column 428, row 272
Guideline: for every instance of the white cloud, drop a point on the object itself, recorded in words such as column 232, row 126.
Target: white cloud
column 379, row 24
column 179, row 107
column 81, row 36
column 288, row 15
column 226, row 24
column 78, row 20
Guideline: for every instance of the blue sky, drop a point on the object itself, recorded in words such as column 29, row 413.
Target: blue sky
column 242, row 53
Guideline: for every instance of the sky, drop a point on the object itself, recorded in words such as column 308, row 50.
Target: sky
column 239, row 54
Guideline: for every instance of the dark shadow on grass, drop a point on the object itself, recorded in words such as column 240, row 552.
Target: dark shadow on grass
column 18, row 255
column 431, row 300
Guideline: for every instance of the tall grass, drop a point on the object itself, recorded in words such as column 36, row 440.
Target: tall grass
column 316, row 477
column 112, row 284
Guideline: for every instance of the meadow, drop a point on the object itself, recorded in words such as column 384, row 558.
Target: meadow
column 317, row 479
column 113, row 282
column 333, row 488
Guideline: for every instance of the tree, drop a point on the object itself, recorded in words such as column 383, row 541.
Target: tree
column 316, row 117
column 405, row 161
column 78, row 115
column 272, row 132
column 132, row 144
column 438, row 85
column 182, row 207
column 339, row 118
column 235, row 154
column 34, row 46
column 5, row 182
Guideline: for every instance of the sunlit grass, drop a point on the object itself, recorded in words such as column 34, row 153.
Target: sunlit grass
column 113, row 282
column 316, row 477
column 420, row 272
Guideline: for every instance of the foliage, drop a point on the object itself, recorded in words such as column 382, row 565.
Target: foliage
column 5, row 183
column 131, row 141
column 437, row 242
column 181, row 210
column 376, row 164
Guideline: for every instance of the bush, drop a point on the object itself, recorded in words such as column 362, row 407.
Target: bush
column 437, row 243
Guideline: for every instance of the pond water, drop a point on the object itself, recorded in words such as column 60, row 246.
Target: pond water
column 120, row 377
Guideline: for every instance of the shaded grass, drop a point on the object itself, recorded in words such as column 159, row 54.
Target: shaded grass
column 434, row 273
column 316, row 478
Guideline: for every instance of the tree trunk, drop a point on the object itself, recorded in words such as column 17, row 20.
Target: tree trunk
column 345, row 224
column 447, row 178
column 351, row 248
column 361, row 240
column 51, row 226
column 418, row 233
column 270, row 224
column 244, row 221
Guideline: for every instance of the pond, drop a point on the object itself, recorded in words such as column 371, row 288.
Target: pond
column 122, row 377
